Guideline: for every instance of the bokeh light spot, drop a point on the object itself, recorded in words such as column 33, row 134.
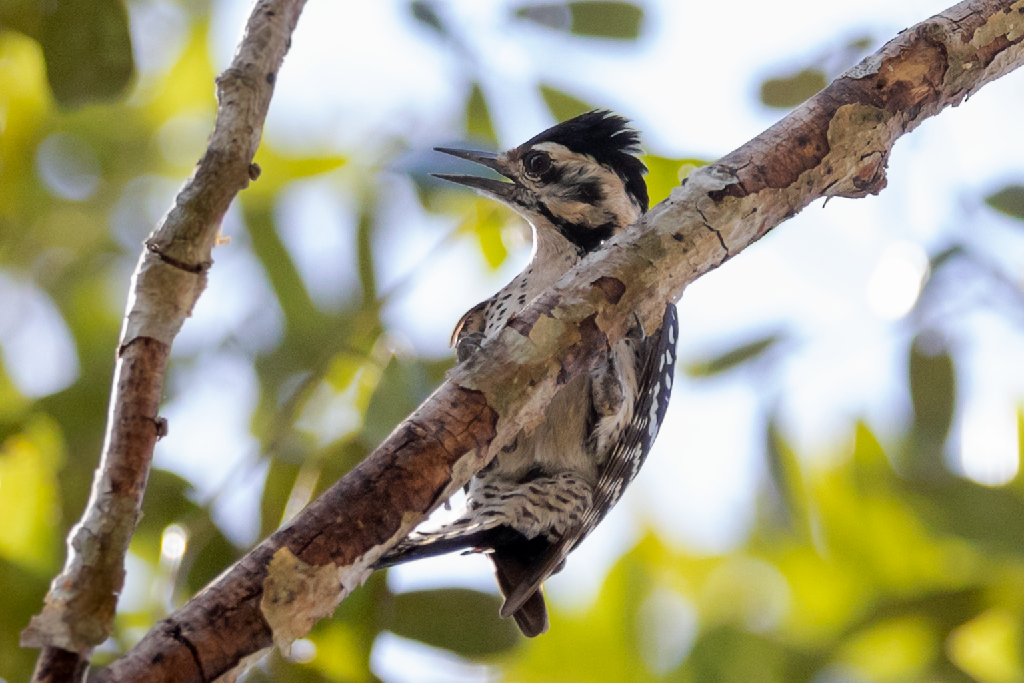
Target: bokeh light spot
column 896, row 281
column 68, row 167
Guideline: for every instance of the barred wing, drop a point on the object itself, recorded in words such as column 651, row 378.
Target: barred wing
column 655, row 370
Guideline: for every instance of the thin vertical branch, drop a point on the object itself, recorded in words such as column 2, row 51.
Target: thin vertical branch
column 78, row 613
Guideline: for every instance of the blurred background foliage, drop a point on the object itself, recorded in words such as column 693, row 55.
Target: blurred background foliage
column 883, row 563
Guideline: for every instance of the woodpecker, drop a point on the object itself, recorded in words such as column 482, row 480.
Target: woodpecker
column 577, row 184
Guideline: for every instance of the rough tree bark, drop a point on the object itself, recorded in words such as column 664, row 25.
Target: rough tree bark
column 78, row 613
column 835, row 144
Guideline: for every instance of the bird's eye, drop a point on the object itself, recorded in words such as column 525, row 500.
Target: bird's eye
column 536, row 164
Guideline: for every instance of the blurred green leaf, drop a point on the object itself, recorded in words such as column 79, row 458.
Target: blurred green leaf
column 562, row 105
column 395, row 397
column 278, row 170
column 478, row 118
column 21, row 15
column 943, row 257
column 274, row 667
column 365, row 608
column 168, row 500
column 786, row 92
column 826, row 594
column 664, row 175
column 303, row 316
column 730, row 359
column 276, row 491
column 403, row 386
column 1008, row 200
column 340, row 652
column 364, row 257
column 731, row 654
column 599, row 19
column 787, row 478
column 186, row 88
column 554, row 16
column 486, row 224
column 989, row 646
column 29, row 462
column 22, row 592
column 457, row 619
column 426, row 13
column 933, row 394
column 871, row 469
column 12, row 405
column 209, row 553
column 344, row 643
column 946, row 609
column 489, row 235
column 1020, row 442
column 879, row 539
column 970, row 511
column 896, row 650
column 343, row 370
column 861, row 44
column 88, row 50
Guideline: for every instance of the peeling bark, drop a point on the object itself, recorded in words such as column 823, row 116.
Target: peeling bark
column 296, row 595
column 78, row 613
column 835, row 144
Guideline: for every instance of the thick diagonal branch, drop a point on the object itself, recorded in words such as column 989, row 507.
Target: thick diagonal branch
column 835, row 144
column 171, row 274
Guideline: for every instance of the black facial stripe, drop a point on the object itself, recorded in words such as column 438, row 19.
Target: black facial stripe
column 587, row 191
column 637, row 189
column 553, row 175
column 585, row 239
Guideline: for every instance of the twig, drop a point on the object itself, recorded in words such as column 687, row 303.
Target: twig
column 171, row 274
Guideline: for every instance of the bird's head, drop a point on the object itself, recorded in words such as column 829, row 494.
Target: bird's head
column 580, row 179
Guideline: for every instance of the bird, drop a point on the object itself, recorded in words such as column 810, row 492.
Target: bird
column 577, row 184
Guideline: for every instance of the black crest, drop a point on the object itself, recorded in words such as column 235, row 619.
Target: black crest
column 608, row 138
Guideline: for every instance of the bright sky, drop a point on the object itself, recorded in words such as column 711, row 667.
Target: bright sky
column 838, row 279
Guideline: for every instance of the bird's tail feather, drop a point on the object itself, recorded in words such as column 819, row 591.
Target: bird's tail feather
column 532, row 615
column 461, row 535
column 510, row 551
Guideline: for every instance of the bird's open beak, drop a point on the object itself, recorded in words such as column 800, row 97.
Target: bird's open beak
column 498, row 189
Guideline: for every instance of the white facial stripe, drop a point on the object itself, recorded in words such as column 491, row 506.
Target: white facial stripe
column 554, row 149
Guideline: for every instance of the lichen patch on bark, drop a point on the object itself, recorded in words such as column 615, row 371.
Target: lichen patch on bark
column 863, row 129
column 1008, row 25
column 296, row 595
